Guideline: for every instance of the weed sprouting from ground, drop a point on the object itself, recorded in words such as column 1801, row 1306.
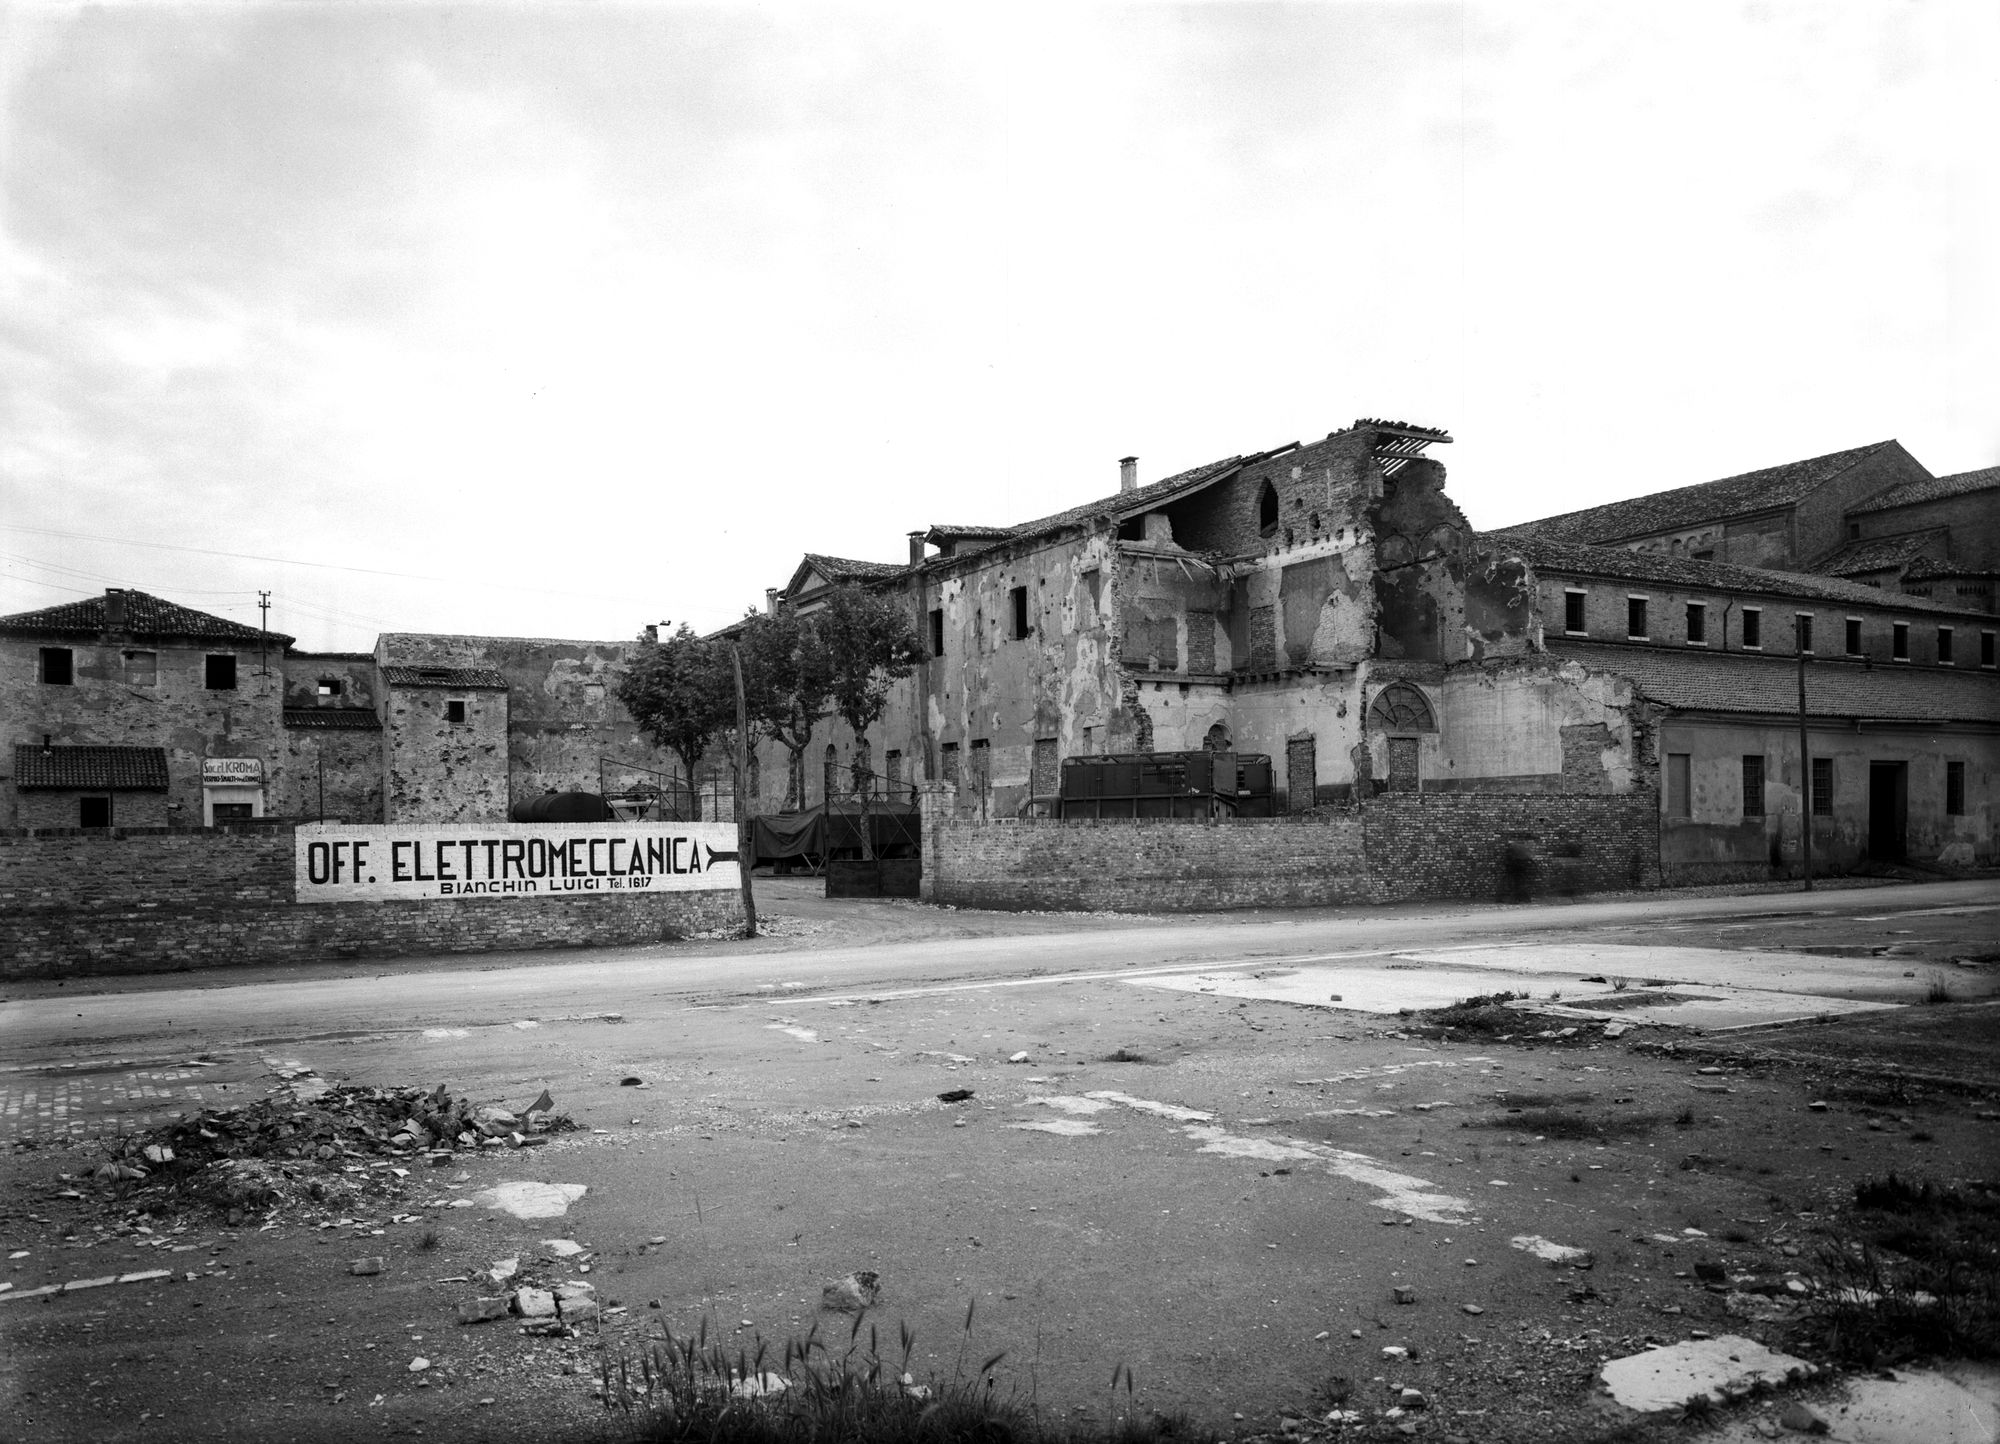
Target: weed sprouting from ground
column 683, row 1389
column 1483, row 1013
column 1938, row 990
column 1684, row 1118
column 1125, row 1055
column 1911, row 1268
column 428, row 1240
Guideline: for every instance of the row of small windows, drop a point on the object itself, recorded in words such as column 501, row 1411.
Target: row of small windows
column 1020, row 625
column 1638, row 628
column 1819, row 796
column 142, row 669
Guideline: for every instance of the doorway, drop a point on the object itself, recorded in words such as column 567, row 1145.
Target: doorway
column 1888, row 809
column 1403, row 765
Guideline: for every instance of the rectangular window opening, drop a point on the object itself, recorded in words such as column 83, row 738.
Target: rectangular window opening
column 1822, row 787
column 331, row 686
column 1986, row 649
column 142, row 669
column 1954, row 789
column 1697, row 624
column 937, row 631
column 93, row 812
column 1678, row 798
column 1854, row 636
column 1635, row 618
column 219, row 673
column 1945, row 640
column 58, row 667
column 1802, row 632
column 1573, row 612
column 1899, row 642
column 950, row 760
column 1019, row 597
column 454, row 711
column 1753, row 785
column 893, row 761
column 1753, row 627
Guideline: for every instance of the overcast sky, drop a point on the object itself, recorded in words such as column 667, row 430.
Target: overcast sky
column 553, row 320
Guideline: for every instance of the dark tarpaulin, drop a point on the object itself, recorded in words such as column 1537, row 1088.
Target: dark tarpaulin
column 816, row 832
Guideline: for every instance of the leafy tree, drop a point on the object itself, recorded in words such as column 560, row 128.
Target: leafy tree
column 870, row 645
column 788, row 685
column 681, row 694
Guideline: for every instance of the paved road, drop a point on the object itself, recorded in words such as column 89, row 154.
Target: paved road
column 1186, row 1181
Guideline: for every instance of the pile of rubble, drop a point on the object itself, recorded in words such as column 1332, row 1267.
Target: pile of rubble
column 335, row 1146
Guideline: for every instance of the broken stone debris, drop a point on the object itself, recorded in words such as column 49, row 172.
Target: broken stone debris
column 530, row 1200
column 955, row 1095
column 850, row 1295
column 482, row 1311
column 288, row 1148
column 533, row 1303
column 365, row 1266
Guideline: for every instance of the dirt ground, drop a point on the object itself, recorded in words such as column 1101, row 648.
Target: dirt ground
column 1230, row 1197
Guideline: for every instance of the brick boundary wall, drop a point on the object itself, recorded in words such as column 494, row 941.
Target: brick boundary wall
column 1391, row 848
column 152, row 900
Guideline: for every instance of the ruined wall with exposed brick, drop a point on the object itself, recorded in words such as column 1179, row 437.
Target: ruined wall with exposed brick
column 1392, row 848
column 78, row 904
column 438, row 770
column 347, row 761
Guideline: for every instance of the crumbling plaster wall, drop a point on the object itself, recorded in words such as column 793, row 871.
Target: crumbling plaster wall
column 562, row 706
column 1531, row 724
column 176, row 711
column 353, row 775
column 436, row 770
column 356, row 672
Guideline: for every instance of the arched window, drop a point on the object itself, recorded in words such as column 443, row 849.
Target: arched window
column 1267, row 509
column 1217, row 739
column 830, row 782
column 1399, row 707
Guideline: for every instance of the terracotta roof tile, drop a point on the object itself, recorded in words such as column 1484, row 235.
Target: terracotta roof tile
column 456, row 678
column 145, row 616
column 334, row 719
column 1931, row 488
column 1753, row 491
column 110, row 769
column 1690, row 680
column 1874, row 554
column 1618, row 564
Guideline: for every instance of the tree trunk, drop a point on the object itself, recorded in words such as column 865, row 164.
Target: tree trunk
column 743, row 812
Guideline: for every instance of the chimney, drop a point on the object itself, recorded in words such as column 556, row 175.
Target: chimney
column 771, row 600
column 917, row 548
column 1128, row 473
column 114, row 609
column 652, row 633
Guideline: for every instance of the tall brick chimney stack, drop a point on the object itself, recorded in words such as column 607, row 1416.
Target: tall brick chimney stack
column 1128, row 473
column 917, row 548
column 114, row 609
column 771, row 600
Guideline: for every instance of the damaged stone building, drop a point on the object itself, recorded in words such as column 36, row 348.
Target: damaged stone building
column 128, row 710
column 1327, row 604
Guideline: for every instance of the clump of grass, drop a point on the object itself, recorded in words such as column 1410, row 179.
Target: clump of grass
column 684, row 1389
column 1126, row 1055
column 1481, row 1013
column 1684, row 1118
column 1911, row 1268
column 428, row 1240
column 1937, row 990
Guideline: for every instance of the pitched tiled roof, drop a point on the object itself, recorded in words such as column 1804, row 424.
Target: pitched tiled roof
column 145, row 616
column 1874, row 554
column 1700, row 681
column 336, row 719
column 1924, row 567
column 969, row 531
column 846, row 569
column 1143, row 498
column 1931, row 488
column 1753, row 491
column 1618, row 564
column 330, row 656
column 457, row 678
column 108, row 769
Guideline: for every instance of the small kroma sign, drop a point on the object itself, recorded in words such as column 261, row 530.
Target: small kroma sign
column 336, row 862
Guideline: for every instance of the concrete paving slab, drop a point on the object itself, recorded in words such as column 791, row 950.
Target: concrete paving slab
column 1719, row 1368
column 1438, row 980
column 1958, row 1404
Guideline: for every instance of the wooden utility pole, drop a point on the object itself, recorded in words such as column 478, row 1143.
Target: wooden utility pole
column 263, row 633
column 743, row 856
column 1805, row 766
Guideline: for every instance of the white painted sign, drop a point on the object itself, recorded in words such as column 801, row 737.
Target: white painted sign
column 338, row 862
column 232, row 771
